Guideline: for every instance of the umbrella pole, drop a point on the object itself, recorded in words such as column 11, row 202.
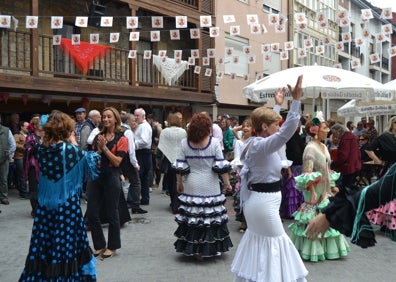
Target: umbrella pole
column 313, row 105
column 325, row 109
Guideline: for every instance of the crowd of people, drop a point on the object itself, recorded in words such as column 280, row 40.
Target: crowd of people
column 113, row 159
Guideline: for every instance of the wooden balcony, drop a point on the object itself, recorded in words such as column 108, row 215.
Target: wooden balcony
column 115, row 75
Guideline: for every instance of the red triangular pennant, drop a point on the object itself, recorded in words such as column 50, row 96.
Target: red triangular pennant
column 84, row 54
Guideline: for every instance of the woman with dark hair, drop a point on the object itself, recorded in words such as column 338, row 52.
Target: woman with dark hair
column 347, row 211
column 228, row 139
column 202, row 220
column 291, row 197
column 363, row 140
column 385, row 146
column 168, row 147
column 59, row 247
column 317, row 183
column 30, row 162
column 112, row 145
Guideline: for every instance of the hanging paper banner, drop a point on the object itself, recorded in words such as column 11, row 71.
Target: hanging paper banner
column 56, row 22
column 81, row 21
column 181, row 21
column 31, row 21
column 132, row 22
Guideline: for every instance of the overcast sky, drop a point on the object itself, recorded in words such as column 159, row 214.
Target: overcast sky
column 384, row 4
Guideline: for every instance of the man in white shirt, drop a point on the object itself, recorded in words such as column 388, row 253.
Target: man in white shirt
column 130, row 168
column 143, row 140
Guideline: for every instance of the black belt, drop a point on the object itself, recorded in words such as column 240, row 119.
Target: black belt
column 266, row 187
column 143, row 150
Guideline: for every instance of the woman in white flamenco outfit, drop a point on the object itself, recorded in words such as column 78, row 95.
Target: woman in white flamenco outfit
column 265, row 252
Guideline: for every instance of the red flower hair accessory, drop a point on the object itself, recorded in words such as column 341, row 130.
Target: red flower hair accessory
column 314, row 129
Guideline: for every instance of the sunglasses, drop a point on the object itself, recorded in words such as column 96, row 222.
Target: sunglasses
column 362, row 139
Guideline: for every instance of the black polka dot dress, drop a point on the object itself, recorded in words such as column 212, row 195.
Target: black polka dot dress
column 59, row 246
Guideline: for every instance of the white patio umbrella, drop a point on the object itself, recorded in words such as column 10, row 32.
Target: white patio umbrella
column 359, row 108
column 391, row 84
column 331, row 83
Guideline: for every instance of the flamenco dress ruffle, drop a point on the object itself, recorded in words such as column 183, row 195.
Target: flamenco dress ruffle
column 59, row 250
column 385, row 216
column 332, row 244
column 202, row 226
column 265, row 252
column 59, row 246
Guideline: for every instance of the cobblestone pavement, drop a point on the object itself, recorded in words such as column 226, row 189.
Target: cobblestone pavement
column 147, row 252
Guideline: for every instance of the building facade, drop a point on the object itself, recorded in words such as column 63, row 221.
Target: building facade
column 247, row 62
column 42, row 69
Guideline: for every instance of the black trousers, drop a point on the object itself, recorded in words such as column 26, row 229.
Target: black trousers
column 171, row 184
column 144, row 159
column 134, row 189
column 106, row 188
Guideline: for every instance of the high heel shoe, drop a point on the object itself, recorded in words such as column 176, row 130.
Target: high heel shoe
column 98, row 252
column 109, row 255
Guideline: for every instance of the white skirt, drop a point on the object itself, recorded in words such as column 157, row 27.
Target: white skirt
column 265, row 252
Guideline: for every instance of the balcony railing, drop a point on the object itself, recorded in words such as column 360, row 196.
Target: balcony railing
column 16, row 58
column 206, row 5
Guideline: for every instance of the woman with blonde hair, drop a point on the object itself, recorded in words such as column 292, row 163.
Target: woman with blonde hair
column 247, row 132
column 265, row 252
column 59, row 247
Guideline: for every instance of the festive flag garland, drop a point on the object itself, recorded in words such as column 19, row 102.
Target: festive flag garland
column 84, row 53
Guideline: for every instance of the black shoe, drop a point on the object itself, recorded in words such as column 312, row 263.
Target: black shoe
column 138, row 210
column 5, row 201
column 144, row 203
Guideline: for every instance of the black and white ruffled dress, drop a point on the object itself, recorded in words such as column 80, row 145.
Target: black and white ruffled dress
column 202, row 219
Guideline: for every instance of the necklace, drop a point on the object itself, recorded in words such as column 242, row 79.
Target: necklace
column 111, row 137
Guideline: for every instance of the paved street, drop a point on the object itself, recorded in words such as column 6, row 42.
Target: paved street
column 147, row 252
